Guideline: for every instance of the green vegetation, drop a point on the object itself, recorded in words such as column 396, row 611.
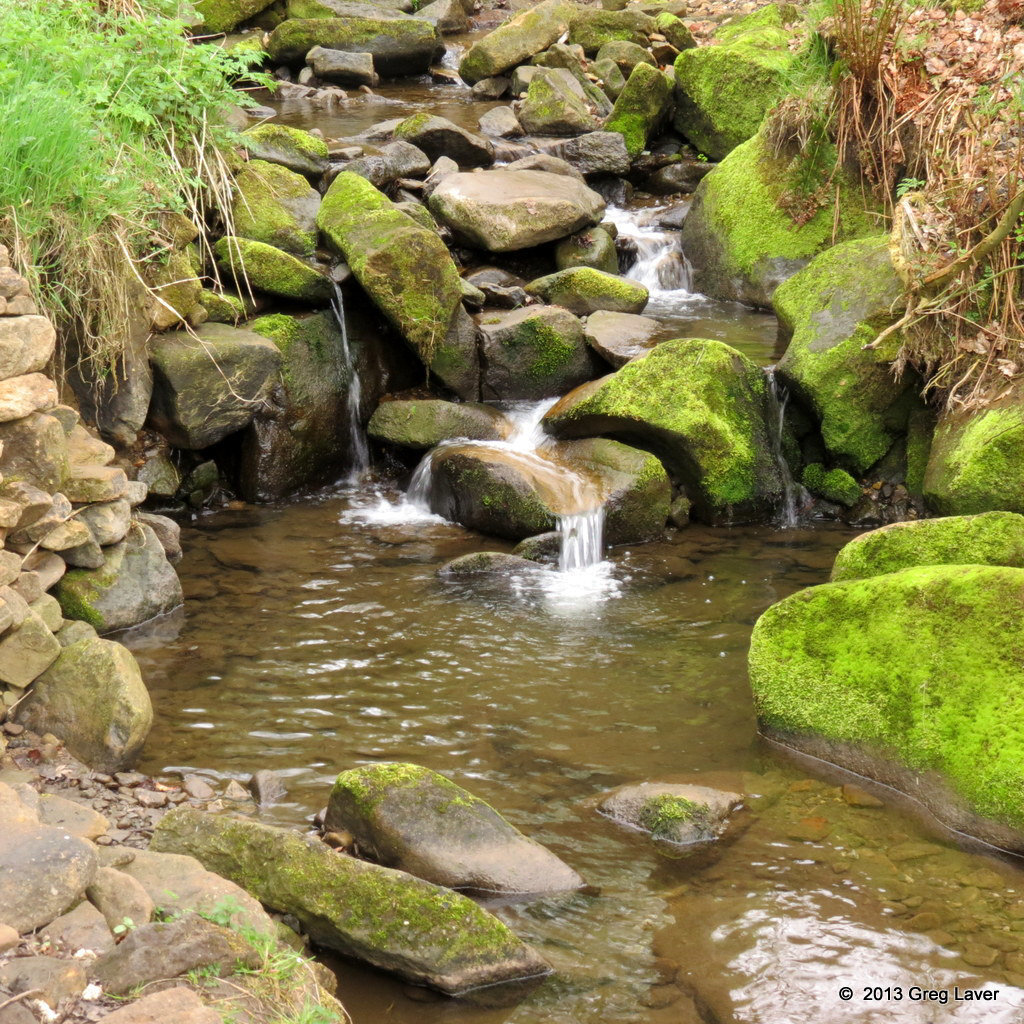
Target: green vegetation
column 662, row 815
column 108, row 116
column 833, row 485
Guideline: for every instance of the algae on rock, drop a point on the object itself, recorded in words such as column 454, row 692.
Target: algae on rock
column 640, row 107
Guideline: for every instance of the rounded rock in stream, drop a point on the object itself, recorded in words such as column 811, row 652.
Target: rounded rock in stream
column 487, row 563
column 409, row 817
column 674, row 813
column 421, row 424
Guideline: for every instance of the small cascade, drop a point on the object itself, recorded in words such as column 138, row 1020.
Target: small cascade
column 582, row 537
column 794, row 495
column 660, row 264
column 358, row 446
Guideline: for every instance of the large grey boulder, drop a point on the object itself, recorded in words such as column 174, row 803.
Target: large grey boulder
column 135, row 583
column 532, row 353
column 424, row 933
column 515, row 41
column 207, row 384
column 94, row 699
column 503, row 211
column 422, row 423
column 409, row 817
column 555, row 104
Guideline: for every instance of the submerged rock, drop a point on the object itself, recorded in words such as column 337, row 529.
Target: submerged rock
column 387, row 918
column 675, row 813
column 487, row 563
column 992, row 538
column 503, row 211
column 906, row 678
column 584, row 290
column 409, row 817
column 701, row 407
column 515, row 41
column 421, row 424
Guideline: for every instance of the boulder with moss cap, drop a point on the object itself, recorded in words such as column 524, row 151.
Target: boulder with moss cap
column 437, row 137
column 832, row 308
column 699, row 405
column 641, row 107
column 408, row 817
column 265, row 268
column 291, row 147
column 583, row 290
column 741, row 245
column 555, row 104
column 515, row 41
column 276, row 206
column 420, row 424
column 389, row 919
column 672, row 812
column 906, row 678
column 408, row 273
column 225, row 15
column 592, row 28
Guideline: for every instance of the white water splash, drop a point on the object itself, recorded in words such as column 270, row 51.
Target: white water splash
column 358, row 446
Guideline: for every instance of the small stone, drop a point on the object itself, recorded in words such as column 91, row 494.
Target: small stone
column 129, row 779
column 924, row 922
column 857, row 797
column 198, row 788
column 978, row 955
column 983, row 878
column 809, row 830
column 8, row 938
column 150, row 797
column 235, row 791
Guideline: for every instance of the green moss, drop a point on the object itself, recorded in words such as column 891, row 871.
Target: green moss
column 591, row 28
column 224, row 15
column 413, row 125
column 662, row 815
column 515, row 41
column 922, row 666
column 271, row 270
column 271, row 207
column 223, row 307
column 640, row 107
column 584, row 290
column 833, row 485
column 409, row 44
column 550, row 349
column 78, row 592
column 285, row 140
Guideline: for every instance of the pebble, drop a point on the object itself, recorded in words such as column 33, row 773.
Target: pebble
column 197, row 787
column 857, row 797
column 150, row 797
column 977, row 955
column 809, row 830
column 235, row 791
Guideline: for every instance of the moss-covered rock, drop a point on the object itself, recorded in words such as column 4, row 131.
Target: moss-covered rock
column 264, row 268
column 594, row 248
column 700, row 406
column 515, row 41
column 276, row 206
column 176, row 291
column 992, row 538
column 672, row 812
column 407, row 271
column 422, row 423
column 554, row 107
column 408, row 817
column 94, row 699
column 591, row 28
column 831, row 484
column 400, row 46
column 833, row 308
column 291, row 147
column 583, row 290
column 725, row 90
column 641, row 107
column 224, row 15
column 422, row 932
column 674, row 30
column 224, row 307
column 911, row 678
column 437, row 137
column 976, row 462
column 742, row 245
column 625, row 55
column 533, row 353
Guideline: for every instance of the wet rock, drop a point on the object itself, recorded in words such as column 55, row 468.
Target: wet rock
column 168, row 949
column 81, row 928
column 265, row 268
column 387, row 918
column 290, row 147
column 118, row 896
column 594, row 248
column 619, row 337
column 26, row 345
column 592, row 28
column 641, row 107
column 342, row 67
column 555, row 105
column 437, row 137
column 672, row 812
column 544, row 548
column 681, row 176
column 533, row 352
column 276, row 206
column 448, row 15
column 207, row 385
column 516, row 41
column 503, row 211
column 491, row 88
column 423, row 423
column 409, row 817
column 583, row 290
column 396, row 160
column 266, row 787
column 92, row 697
column 180, row 1005
column 43, row 870
column 399, row 46
column 53, row 980
column 701, row 407
column 34, row 451
column 486, row 563
column 501, row 122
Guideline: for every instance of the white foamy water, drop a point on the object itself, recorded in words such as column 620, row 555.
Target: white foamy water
column 358, row 446
column 794, row 495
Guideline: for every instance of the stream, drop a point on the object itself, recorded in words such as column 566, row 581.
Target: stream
column 316, row 636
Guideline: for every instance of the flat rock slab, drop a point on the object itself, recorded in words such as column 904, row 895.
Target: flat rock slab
column 421, row 424
column 619, row 337
column 180, row 1005
column 409, row 817
column 20, row 396
column 73, row 817
column 675, row 813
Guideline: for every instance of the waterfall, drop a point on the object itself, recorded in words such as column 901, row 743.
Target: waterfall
column 660, row 264
column 357, row 443
column 582, row 536
column 793, row 494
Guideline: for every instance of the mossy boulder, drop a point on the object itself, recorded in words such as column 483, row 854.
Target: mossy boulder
column 991, row 538
column 503, row 210
column 488, row 564
column 583, row 290
column 674, row 30
column 399, row 46
column 641, row 107
column 389, row 919
column 505, row 495
column 207, row 384
column 594, row 248
column 224, row 15
column 832, row 309
column 834, row 485
column 224, row 307
column 276, row 206
column 134, row 584
column 265, row 268
column 94, row 699
column 408, row 817
column 290, row 147
column 976, row 461
column 515, row 41
column 555, row 105
column 422, row 423
column 625, row 55
column 741, row 245
column 534, row 352
column 701, row 406
column 910, row 678
column 437, row 137
column 408, row 273
column 177, row 291
column 725, row 90
column 672, row 812
column 592, row 28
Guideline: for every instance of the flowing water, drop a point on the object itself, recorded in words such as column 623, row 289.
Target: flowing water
column 317, row 636
column 358, row 445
